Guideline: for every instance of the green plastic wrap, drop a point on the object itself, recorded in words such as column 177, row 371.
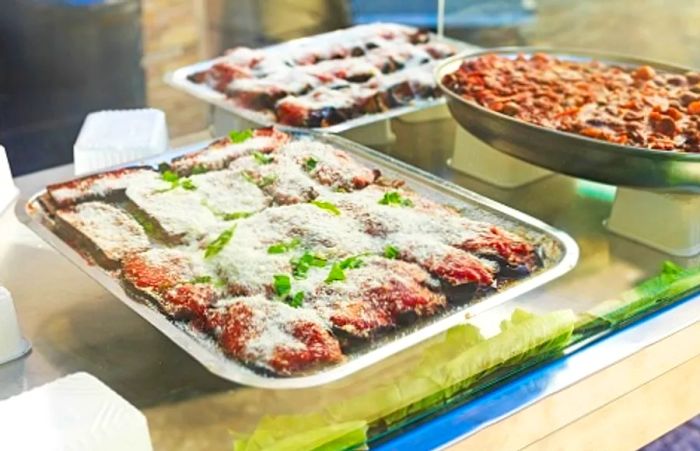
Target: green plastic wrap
column 447, row 367
column 673, row 282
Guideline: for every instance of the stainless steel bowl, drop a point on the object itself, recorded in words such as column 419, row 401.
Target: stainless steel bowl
column 570, row 153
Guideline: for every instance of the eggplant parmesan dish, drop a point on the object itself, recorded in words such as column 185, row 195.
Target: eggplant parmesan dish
column 634, row 106
column 284, row 250
column 328, row 79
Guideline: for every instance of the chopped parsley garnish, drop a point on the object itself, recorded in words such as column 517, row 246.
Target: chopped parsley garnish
column 390, row 251
column 199, row 169
column 200, row 279
column 170, row 176
column 335, row 274
column 142, row 218
column 310, row 164
column 282, row 247
column 283, row 289
column 188, row 185
column 235, row 215
column 297, row 300
column 174, row 179
column 249, row 178
column 222, row 240
column 259, row 182
column 220, row 283
column 261, row 158
column 337, row 271
column 283, row 285
column 227, row 216
column 266, row 181
column 327, row 206
column 163, row 167
column 301, row 265
column 394, row 198
column 352, row 262
column 240, row 136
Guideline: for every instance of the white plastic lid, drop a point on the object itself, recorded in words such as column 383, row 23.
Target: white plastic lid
column 77, row 412
column 108, row 138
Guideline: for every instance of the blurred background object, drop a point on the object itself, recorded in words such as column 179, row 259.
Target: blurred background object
column 61, row 59
column 64, row 58
column 108, row 138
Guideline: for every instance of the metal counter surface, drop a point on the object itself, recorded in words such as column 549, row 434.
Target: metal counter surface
column 75, row 325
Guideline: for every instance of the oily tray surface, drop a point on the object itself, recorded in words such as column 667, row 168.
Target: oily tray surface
column 271, row 256
column 340, row 79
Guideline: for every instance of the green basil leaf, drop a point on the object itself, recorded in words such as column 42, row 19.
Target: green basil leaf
column 200, row 279
column 297, row 300
column 283, row 285
column 282, row 247
column 188, row 185
column 266, row 181
column 301, row 265
column 310, row 164
column 391, row 252
column 261, row 158
column 352, row 262
column 394, row 198
column 240, row 136
column 235, row 215
column 170, row 176
column 336, row 273
column 199, row 169
column 222, row 240
column 327, row 206
column 279, row 248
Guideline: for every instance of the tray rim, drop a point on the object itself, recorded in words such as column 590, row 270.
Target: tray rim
column 178, row 80
column 214, row 361
column 450, row 64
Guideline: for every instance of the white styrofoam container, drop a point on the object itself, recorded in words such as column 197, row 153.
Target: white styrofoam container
column 665, row 221
column 12, row 344
column 74, row 413
column 109, row 138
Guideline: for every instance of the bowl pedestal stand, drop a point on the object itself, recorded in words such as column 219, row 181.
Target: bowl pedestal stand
column 669, row 222
column 481, row 161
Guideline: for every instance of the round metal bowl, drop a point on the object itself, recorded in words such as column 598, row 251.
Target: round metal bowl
column 569, row 153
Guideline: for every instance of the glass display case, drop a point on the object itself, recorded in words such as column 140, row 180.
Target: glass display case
column 621, row 298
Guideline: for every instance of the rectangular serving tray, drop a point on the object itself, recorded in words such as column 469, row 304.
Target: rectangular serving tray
column 179, row 80
column 562, row 255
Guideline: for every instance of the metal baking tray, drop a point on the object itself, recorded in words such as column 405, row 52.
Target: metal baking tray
column 570, row 153
column 179, row 80
column 561, row 255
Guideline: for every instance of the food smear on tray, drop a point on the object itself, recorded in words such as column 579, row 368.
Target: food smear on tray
column 285, row 250
column 634, row 106
column 328, row 79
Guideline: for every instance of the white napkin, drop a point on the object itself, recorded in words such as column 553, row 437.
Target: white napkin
column 74, row 413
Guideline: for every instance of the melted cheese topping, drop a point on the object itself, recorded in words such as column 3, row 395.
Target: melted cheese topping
column 276, row 189
column 179, row 212
column 229, row 192
column 245, row 259
column 271, row 327
column 99, row 186
column 111, row 230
